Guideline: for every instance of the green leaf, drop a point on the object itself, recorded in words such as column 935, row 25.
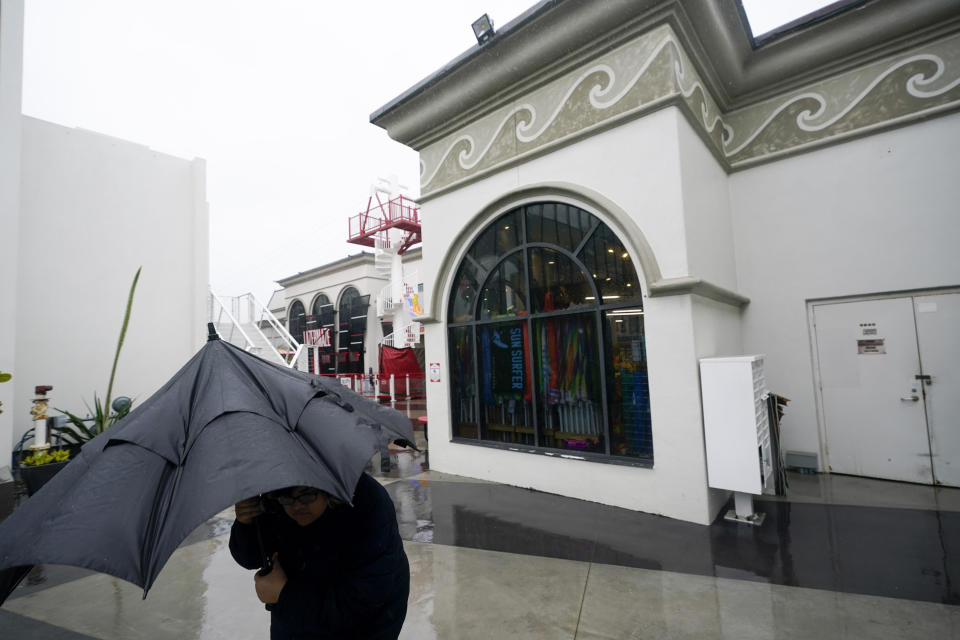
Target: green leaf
column 123, row 334
column 76, row 437
column 84, row 432
column 5, row 377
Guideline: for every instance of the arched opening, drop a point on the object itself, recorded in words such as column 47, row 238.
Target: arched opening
column 349, row 339
column 546, row 337
column 322, row 317
column 318, row 304
column 297, row 320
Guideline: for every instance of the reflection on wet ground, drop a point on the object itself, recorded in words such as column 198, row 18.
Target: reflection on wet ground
column 847, row 534
column 901, row 553
column 490, row 561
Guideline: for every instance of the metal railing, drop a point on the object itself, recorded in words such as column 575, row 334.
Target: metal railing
column 247, row 323
column 392, row 387
column 385, row 302
column 400, row 211
column 266, row 319
column 231, row 330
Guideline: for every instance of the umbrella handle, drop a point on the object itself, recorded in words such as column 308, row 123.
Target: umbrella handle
column 267, row 566
column 267, row 562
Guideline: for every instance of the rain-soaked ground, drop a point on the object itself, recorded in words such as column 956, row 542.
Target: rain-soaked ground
column 839, row 558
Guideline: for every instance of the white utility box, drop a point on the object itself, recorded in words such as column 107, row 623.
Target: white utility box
column 735, row 423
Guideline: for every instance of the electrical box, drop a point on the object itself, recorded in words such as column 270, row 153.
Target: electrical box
column 736, row 424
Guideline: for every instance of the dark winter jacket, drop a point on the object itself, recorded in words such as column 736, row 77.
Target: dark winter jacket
column 347, row 573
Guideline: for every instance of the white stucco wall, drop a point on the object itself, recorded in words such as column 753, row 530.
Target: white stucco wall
column 711, row 256
column 717, row 332
column 636, row 168
column 706, row 212
column 93, row 209
column 878, row 214
column 11, row 71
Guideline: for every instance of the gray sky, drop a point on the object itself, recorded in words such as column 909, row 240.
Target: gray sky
column 275, row 96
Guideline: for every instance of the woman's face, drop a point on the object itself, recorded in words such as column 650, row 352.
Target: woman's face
column 306, row 514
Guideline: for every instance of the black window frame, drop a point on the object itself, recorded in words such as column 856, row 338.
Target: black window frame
column 296, row 330
column 599, row 309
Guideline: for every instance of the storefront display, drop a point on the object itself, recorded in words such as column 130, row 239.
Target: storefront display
column 546, row 337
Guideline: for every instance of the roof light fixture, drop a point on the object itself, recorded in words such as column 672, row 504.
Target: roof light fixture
column 483, row 28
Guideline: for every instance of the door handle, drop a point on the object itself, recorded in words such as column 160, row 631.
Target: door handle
column 911, row 398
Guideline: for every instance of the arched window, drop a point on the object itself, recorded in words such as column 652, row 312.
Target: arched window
column 318, row 303
column 545, row 328
column 349, row 354
column 297, row 320
column 321, row 317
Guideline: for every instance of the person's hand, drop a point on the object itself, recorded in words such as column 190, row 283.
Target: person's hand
column 248, row 509
column 269, row 586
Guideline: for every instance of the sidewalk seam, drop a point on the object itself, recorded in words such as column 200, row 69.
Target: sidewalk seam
column 583, row 598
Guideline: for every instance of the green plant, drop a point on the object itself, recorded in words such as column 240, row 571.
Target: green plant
column 102, row 415
column 4, row 377
column 47, row 456
column 99, row 420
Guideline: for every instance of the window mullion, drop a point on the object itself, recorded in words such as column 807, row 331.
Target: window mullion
column 529, row 322
column 586, row 238
column 476, row 382
column 604, row 399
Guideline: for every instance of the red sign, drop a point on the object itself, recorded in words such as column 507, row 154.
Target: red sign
column 317, row 337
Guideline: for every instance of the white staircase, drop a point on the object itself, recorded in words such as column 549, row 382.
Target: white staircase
column 393, row 303
column 244, row 322
column 391, row 224
column 383, row 253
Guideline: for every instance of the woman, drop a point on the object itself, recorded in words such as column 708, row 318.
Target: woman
column 338, row 571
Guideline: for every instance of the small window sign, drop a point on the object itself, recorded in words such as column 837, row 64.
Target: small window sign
column 871, row 346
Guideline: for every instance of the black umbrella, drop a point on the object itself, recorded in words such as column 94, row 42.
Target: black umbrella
column 227, row 426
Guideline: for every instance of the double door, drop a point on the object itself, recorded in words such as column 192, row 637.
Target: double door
column 889, row 376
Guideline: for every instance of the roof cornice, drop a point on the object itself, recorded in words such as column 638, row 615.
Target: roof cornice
column 865, row 33
column 357, row 259
column 364, row 258
column 554, row 36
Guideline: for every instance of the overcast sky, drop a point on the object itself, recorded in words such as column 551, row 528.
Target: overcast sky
column 275, row 96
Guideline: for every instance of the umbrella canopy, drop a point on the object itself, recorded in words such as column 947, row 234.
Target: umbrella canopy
column 227, row 426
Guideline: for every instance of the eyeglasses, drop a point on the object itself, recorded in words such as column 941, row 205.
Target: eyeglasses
column 307, row 497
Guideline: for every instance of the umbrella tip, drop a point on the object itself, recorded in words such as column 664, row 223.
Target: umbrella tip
column 211, row 332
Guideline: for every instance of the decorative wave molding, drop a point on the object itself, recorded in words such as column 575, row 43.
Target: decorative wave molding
column 902, row 89
column 654, row 70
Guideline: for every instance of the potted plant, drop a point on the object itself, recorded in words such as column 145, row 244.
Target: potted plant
column 39, row 466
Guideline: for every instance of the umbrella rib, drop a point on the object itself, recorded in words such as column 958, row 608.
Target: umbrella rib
column 158, row 516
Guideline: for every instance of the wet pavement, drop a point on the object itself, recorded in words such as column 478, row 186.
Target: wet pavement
column 839, row 558
column 901, row 553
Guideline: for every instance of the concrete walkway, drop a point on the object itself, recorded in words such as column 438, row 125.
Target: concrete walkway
column 844, row 558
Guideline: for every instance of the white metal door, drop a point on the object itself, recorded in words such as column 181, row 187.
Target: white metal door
column 873, row 407
column 938, row 333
